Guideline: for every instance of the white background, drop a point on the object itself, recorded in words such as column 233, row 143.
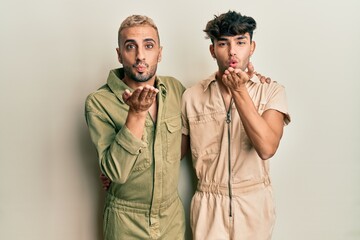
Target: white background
column 53, row 53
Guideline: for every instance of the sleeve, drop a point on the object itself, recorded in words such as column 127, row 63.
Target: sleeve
column 117, row 152
column 278, row 101
column 184, row 119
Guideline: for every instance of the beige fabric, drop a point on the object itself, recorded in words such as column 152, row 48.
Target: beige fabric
column 233, row 201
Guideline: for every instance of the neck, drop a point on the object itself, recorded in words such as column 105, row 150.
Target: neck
column 225, row 91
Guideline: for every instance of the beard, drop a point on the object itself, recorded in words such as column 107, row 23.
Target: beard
column 140, row 77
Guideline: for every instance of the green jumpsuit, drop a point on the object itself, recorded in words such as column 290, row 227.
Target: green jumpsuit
column 142, row 201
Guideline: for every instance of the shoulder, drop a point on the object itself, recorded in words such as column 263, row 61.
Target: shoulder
column 170, row 81
column 172, row 84
column 266, row 88
column 196, row 89
column 97, row 98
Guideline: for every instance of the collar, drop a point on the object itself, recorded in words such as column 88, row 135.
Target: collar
column 118, row 87
column 206, row 83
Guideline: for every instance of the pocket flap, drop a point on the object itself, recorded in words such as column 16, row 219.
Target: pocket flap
column 173, row 124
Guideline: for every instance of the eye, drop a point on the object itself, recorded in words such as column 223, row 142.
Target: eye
column 149, row 46
column 221, row 44
column 130, row 46
column 241, row 42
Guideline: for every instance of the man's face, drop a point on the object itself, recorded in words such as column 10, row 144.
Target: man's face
column 232, row 51
column 139, row 52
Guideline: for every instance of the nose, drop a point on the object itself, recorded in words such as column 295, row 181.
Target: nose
column 140, row 55
column 232, row 51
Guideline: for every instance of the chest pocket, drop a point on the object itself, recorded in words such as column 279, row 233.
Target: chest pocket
column 205, row 135
column 173, row 138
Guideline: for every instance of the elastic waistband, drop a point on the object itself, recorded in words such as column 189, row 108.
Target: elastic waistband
column 116, row 202
column 236, row 188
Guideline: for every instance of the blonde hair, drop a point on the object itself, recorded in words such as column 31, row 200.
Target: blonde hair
column 137, row 20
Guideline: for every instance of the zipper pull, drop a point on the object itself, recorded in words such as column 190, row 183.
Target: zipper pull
column 228, row 117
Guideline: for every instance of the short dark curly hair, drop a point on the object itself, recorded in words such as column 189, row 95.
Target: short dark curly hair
column 229, row 24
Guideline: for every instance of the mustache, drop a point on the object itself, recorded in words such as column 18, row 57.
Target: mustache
column 140, row 63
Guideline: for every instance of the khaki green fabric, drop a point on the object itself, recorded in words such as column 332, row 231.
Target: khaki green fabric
column 142, row 201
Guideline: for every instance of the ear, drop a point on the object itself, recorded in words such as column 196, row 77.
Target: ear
column 212, row 51
column 119, row 55
column 160, row 54
column 252, row 48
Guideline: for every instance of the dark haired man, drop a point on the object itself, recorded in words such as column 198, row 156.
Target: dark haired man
column 235, row 125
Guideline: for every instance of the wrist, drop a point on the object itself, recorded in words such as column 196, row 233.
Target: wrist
column 239, row 89
column 139, row 115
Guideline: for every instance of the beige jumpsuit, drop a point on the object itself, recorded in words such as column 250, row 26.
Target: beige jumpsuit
column 234, row 198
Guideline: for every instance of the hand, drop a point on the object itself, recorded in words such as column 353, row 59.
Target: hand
column 105, row 182
column 235, row 79
column 262, row 78
column 251, row 72
column 141, row 99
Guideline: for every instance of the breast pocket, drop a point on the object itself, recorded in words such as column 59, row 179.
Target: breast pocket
column 173, row 138
column 205, row 136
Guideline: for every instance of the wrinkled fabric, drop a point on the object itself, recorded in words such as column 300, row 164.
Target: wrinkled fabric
column 142, row 199
column 234, row 197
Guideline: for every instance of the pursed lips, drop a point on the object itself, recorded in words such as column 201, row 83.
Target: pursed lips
column 233, row 62
column 140, row 66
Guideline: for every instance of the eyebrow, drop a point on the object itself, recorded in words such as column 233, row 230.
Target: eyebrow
column 238, row 38
column 145, row 40
column 242, row 37
column 149, row 40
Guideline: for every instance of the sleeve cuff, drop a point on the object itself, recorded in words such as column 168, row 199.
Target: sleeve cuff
column 185, row 131
column 129, row 142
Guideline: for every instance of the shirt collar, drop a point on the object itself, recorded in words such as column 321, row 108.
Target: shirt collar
column 206, row 83
column 118, row 87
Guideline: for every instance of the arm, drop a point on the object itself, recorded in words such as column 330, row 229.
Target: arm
column 264, row 131
column 139, row 103
column 184, row 145
column 117, row 151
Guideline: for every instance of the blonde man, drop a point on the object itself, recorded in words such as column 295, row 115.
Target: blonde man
column 135, row 124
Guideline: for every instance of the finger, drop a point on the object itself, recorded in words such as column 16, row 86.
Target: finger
column 251, row 70
column 262, row 79
column 144, row 93
column 236, row 75
column 226, row 72
column 237, row 71
column 136, row 93
column 268, row 80
column 229, row 79
column 243, row 75
column 230, row 69
column 152, row 93
column 126, row 95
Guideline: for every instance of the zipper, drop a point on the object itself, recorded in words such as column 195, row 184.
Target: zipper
column 228, row 121
column 153, row 180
